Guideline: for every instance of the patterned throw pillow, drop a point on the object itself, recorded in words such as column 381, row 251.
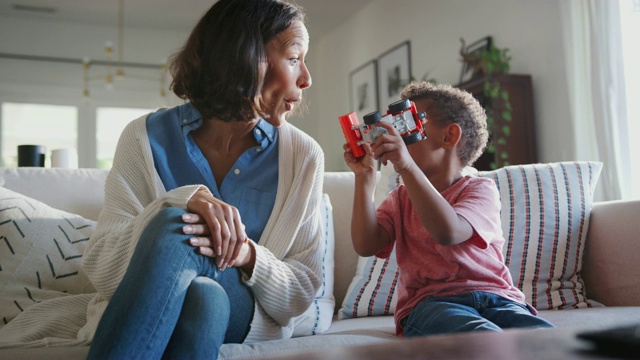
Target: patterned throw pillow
column 372, row 291
column 545, row 218
column 40, row 253
column 317, row 318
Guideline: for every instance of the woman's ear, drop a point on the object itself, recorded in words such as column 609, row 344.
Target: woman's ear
column 452, row 137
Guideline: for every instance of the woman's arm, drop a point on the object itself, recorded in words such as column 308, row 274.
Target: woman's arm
column 133, row 196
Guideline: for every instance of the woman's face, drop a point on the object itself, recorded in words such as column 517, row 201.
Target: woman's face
column 287, row 75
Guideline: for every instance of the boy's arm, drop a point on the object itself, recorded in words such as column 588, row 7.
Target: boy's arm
column 434, row 211
column 367, row 235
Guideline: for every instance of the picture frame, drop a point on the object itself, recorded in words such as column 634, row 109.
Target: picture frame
column 363, row 84
column 394, row 72
column 474, row 50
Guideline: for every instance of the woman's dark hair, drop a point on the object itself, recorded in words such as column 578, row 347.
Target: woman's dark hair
column 222, row 66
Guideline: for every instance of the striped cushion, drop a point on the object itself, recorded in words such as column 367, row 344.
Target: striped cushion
column 372, row 290
column 317, row 318
column 545, row 218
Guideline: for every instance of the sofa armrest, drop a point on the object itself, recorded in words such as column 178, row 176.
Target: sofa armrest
column 610, row 269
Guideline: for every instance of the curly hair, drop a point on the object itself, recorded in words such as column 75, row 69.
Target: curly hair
column 449, row 105
column 222, row 66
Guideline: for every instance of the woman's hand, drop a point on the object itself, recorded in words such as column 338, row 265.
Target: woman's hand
column 219, row 229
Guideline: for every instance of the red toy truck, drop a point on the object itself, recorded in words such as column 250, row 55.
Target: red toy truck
column 401, row 114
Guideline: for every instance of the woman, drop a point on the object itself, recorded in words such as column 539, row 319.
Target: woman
column 211, row 228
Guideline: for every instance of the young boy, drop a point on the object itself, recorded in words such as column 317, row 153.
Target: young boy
column 445, row 226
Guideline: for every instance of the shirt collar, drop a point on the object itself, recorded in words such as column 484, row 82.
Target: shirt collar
column 264, row 130
column 191, row 120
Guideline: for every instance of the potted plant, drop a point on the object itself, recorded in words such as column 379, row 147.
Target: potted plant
column 495, row 61
column 483, row 60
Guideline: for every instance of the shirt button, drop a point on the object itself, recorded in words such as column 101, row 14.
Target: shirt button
column 236, row 171
column 258, row 132
column 185, row 121
column 258, row 149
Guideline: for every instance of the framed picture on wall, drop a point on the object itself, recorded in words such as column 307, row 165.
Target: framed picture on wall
column 364, row 89
column 471, row 57
column 394, row 72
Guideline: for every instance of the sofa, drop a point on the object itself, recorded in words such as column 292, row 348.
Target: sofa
column 574, row 258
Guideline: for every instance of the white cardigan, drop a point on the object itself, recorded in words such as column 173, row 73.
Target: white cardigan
column 287, row 272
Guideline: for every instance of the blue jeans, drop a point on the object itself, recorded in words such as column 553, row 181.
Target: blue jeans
column 172, row 301
column 467, row 312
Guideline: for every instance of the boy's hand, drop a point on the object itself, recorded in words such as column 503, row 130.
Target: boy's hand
column 391, row 147
column 363, row 165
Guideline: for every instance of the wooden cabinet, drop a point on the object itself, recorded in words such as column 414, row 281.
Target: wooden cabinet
column 511, row 129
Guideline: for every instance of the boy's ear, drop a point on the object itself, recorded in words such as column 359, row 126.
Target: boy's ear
column 452, row 136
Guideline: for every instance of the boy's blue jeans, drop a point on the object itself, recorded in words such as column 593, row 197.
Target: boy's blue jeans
column 466, row 312
column 172, row 301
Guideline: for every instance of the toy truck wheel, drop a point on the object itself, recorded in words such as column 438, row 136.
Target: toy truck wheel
column 372, row 118
column 400, row 106
column 412, row 138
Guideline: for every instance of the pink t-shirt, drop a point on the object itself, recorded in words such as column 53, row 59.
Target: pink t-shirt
column 430, row 269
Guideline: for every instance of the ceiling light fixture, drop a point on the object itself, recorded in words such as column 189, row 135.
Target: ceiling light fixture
column 119, row 65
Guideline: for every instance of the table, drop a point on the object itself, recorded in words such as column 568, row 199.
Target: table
column 546, row 344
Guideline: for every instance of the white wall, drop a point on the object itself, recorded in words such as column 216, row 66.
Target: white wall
column 530, row 29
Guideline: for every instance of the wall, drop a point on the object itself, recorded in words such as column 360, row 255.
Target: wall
column 530, row 29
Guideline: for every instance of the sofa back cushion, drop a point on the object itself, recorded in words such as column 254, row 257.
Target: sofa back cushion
column 78, row 191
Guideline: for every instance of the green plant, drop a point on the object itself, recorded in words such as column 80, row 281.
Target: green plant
column 496, row 61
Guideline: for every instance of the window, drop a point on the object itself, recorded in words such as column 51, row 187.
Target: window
column 53, row 126
column 110, row 123
column 630, row 24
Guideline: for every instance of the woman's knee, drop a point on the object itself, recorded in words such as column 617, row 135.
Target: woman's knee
column 205, row 293
column 164, row 229
column 169, row 216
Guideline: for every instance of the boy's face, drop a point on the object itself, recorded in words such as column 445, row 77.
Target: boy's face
column 428, row 154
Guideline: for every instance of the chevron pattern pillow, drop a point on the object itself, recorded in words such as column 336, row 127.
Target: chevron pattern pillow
column 40, row 253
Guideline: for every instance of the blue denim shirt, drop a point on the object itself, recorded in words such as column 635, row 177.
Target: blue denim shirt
column 251, row 183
